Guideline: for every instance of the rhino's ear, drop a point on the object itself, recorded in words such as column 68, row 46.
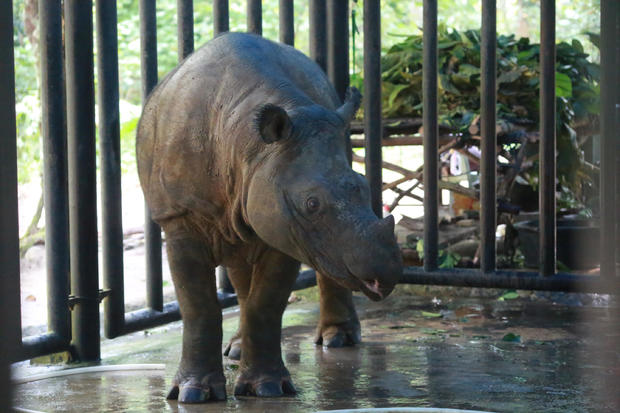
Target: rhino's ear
column 273, row 123
column 352, row 101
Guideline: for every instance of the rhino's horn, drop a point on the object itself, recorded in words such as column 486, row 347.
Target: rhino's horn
column 352, row 101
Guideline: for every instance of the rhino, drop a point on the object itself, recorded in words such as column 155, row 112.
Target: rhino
column 242, row 158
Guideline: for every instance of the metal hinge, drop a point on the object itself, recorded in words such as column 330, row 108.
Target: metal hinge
column 75, row 299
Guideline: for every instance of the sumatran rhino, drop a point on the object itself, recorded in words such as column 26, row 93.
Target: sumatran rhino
column 242, row 159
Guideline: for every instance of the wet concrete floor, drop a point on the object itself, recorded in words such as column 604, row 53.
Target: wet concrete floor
column 465, row 353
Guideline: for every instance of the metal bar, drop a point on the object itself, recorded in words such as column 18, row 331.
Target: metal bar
column 185, row 28
column 55, row 169
column 40, row 345
column 222, row 280
column 255, row 17
column 338, row 53
column 338, row 45
column 110, row 152
column 146, row 318
column 287, row 22
column 152, row 231
column 82, row 177
column 488, row 142
column 220, row 17
column 609, row 136
column 431, row 132
column 372, row 102
column 547, row 138
column 318, row 33
column 522, row 280
column 10, row 325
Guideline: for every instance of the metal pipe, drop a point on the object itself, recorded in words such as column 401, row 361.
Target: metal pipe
column 110, row 152
column 287, row 22
column 10, row 327
column 372, row 102
column 431, row 132
column 521, row 280
column 609, row 136
column 185, row 28
column 255, row 17
column 318, row 33
column 152, row 231
column 220, row 17
column 55, row 189
column 40, row 345
column 338, row 45
column 338, row 53
column 82, row 177
column 488, row 143
column 547, row 138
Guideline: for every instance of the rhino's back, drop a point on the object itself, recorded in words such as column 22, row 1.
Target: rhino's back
column 198, row 122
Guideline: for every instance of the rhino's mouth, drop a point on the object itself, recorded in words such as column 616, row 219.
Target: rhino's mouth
column 303, row 232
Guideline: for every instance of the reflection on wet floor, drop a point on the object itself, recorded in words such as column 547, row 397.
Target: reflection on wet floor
column 466, row 353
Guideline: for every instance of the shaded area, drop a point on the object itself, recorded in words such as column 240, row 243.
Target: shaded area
column 470, row 353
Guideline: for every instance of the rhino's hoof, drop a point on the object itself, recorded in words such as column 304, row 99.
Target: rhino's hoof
column 338, row 336
column 193, row 391
column 233, row 349
column 270, row 387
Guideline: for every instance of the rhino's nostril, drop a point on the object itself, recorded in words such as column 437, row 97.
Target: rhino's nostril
column 374, row 286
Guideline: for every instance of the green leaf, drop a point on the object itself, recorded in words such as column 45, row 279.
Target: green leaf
column 508, row 295
column 431, row 315
column 563, row 85
column 512, row 338
column 394, row 94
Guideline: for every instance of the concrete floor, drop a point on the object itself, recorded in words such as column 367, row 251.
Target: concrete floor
column 445, row 352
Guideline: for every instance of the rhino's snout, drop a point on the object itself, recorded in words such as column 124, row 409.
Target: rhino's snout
column 376, row 262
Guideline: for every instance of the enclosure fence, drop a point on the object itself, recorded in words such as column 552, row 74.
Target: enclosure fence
column 68, row 131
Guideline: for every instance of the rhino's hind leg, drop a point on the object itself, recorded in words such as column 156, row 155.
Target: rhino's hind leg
column 240, row 275
column 200, row 376
column 262, row 371
column 338, row 323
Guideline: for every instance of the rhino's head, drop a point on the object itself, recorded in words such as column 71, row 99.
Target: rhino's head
column 305, row 200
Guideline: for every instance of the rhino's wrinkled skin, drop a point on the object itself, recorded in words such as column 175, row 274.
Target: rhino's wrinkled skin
column 241, row 156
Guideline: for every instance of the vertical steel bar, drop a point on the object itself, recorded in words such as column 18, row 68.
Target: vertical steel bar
column 10, row 325
column 338, row 52
column 55, row 168
column 110, row 153
column 220, row 21
column 547, row 138
column 255, row 17
column 318, row 33
column 287, row 22
column 152, row 231
column 431, row 132
column 185, row 28
column 220, row 17
column 338, row 45
column 372, row 102
column 489, row 142
column 609, row 135
column 82, row 177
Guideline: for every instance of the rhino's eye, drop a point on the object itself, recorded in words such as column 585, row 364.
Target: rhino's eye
column 312, row 204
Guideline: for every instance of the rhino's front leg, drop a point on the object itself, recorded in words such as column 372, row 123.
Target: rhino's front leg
column 262, row 371
column 200, row 376
column 338, row 323
column 240, row 275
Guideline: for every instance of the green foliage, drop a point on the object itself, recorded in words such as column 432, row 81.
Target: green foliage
column 518, row 91
column 445, row 258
